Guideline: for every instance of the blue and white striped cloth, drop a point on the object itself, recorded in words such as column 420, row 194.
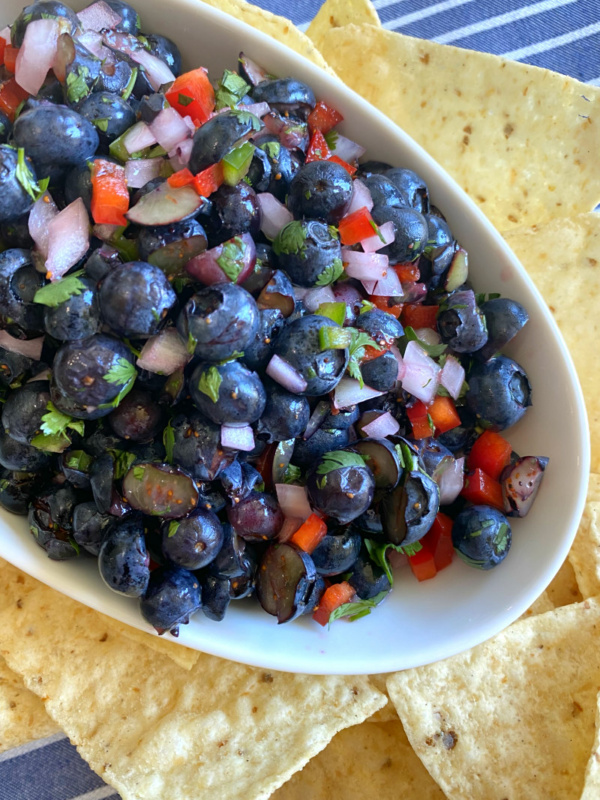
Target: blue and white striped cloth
column 563, row 35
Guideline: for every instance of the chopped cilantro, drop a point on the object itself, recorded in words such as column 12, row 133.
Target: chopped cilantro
column 101, row 124
column 291, row 239
column 77, row 87
column 331, row 137
column 53, row 294
column 139, row 472
column 482, row 297
column 293, row 474
column 169, row 441
column 433, row 350
column 173, row 526
column 184, row 100
column 336, row 459
column 232, row 258
column 360, row 340
column 120, row 372
column 378, row 554
column 375, row 227
column 79, row 460
column 25, row 177
column 122, row 462
column 54, row 436
column 230, row 90
column 365, row 306
column 246, row 117
column 333, row 232
column 210, row 382
column 406, row 456
column 331, row 273
column 272, row 149
column 354, row 611
column 191, row 343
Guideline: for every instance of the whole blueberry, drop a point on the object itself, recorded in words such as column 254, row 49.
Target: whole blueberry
column 320, row 190
column 499, row 392
column 192, row 542
column 228, row 393
column 123, row 558
column 173, row 595
column 481, row 536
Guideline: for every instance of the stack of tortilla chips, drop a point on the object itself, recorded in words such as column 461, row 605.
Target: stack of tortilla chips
column 516, row 717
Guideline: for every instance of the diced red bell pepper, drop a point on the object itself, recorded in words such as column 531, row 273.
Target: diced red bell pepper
column 386, row 304
column 182, row 177
column 2, row 48
column 481, row 490
column 10, row 57
column 309, row 534
column 348, row 167
column 419, row 316
column 421, row 425
column 357, row 226
column 209, row 180
column 423, row 564
column 11, row 97
column 323, row 118
column 333, row 597
column 371, row 353
column 317, row 149
column 491, row 453
column 407, row 273
column 438, row 540
column 192, row 95
column 110, row 198
column 444, row 414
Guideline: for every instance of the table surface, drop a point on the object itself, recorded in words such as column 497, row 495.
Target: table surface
column 563, row 35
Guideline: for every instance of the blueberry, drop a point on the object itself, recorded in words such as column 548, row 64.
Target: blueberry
column 130, row 19
column 461, row 323
column 21, row 457
column 216, row 596
column 285, row 415
column 235, row 210
column 439, row 249
column 256, row 518
column 260, row 172
column 51, row 521
column 258, row 352
column 193, row 542
column 231, row 560
column 123, row 558
column 23, row 411
column 228, row 393
column 320, row 190
column 164, row 48
column 14, row 200
column 197, row 446
column 90, row 526
column 173, row 595
column 17, row 491
column 308, row 452
column 138, row 417
column 5, row 128
column 170, row 247
column 239, row 479
column 19, row 282
column 412, row 186
column 459, row 440
column 55, row 135
column 384, row 192
column 408, row 512
column 481, row 536
column 111, row 115
column 380, row 373
column 337, row 552
column 499, row 393
column 367, row 579
column 284, row 94
column 341, row 420
column 284, row 164
column 342, row 492
column 43, row 9
column 383, row 328
column 504, row 319
column 15, row 232
column 308, row 252
column 299, row 345
column 217, row 137
column 410, row 232
column 75, row 318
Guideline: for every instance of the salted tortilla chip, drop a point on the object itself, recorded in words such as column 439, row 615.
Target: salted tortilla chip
column 182, row 656
column 22, row 714
column 522, row 141
column 337, row 13
column 539, row 606
column 279, row 28
column 388, row 713
column 366, row 761
column 564, row 589
column 155, row 731
column 591, row 789
column 585, row 552
column 563, row 258
column 514, row 717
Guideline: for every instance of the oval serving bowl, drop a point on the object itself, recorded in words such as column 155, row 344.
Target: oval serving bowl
column 420, row 622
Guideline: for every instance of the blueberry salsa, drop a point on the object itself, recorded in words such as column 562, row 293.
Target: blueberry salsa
column 236, row 358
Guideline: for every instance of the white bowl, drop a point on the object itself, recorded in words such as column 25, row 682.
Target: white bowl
column 420, row 622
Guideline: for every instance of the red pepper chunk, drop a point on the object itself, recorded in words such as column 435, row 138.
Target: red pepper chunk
column 10, row 57
column 333, row 597
column 2, row 48
column 309, row 534
column 209, row 180
column 357, row 226
column 11, row 97
column 491, row 453
column 444, row 414
column 110, row 198
column 182, row 177
column 193, row 96
column 418, row 316
column 408, row 273
column 438, row 541
column 348, row 167
column 481, row 490
column 323, row 118
column 317, row 150
column 423, row 564
column 419, row 419
column 386, row 304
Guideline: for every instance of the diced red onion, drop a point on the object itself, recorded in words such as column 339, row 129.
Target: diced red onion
column 382, row 426
column 293, row 500
column 157, row 72
column 348, row 150
column 273, row 214
column 286, row 375
column 42, row 213
column 414, row 292
column 258, row 109
column 373, row 243
column 164, row 353
column 179, row 156
column 396, row 559
column 256, row 74
column 169, row 129
column 450, row 480
column 105, row 232
column 140, row 171
column 421, row 374
column 428, row 335
column 237, row 437
column 98, row 17
column 398, row 356
column 68, row 239
column 291, row 133
column 31, row 348
column 37, row 53
column 315, row 297
column 361, row 197
column 348, row 393
column 365, row 266
column 190, row 123
column 138, row 137
column 92, row 41
column 289, row 528
column 5, row 34
column 452, row 376
column 316, row 418
column 204, row 267
column 389, row 286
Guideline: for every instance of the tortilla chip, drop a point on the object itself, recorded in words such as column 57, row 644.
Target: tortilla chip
column 337, row 13
column 522, row 141
column 366, row 761
column 539, row 606
column 563, row 258
column 585, row 552
column 564, row 589
column 22, row 714
column 388, row 713
column 591, row 789
column 279, row 28
column 155, row 731
column 514, row 717
column 182, row 656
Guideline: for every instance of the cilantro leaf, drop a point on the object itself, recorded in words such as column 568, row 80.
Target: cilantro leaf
column 139, row 472
column 378, row 554
column 331, row 273
column 336, row 459
column 406, row 456
column 231, row 88
column 191, row 343
column 25, row 177
column 482, row 297
column 246, row 117
column 130, row 84
column 231, row 259
column 169, row 441
column 53, row 294
column 210, row 382
column 184, row 100
column 121, row 372
column 331, row 137
column 173, row 525
column 77, row 87
column 293, row 474
column 365, row 306
column 354, row 611
column 272, row 149
column 291, row 240
column 79, row 460
column 122, row 462
column 54, row 436
column 101, row 124
column 433, row 350
column 356, row 351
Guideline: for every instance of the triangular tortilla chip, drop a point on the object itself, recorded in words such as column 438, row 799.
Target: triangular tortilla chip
column 591, row 789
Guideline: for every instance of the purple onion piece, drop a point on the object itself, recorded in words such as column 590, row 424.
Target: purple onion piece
column 520, row 484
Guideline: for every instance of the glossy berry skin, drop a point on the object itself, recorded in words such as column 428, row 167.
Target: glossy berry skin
column 504, row 319
column 51, row 521
column 241, row 396
column 337, row 552
column 218, row 320
column 123, row 558
column 235, row 210
column 56, row 135
column 111, row 111
column 138, row 417
column 258, row 352
column 285, row 415
column 197, row 446
column 382, row 327
column 135, row 298
column 164, row 48
column 256, row 518
column 14, row 200
column 130, row 19
column 16, row 492
column 380, row 373
column 308, row 452
column 5, row 128
column 499, row 393
column 284, row 94
column 216, row 596
column 75, row 318
column 481, row 536
column 22, row 457
column 193, row 542
column 320, row 190
column 173, row 595
column 23, row 411
column 344, row 493
column 307, row 251
column 384, row 192
column 81, row 369
column 410, row 229
column 46, row 9
column 412, row 186
column 461, row 323
column 367, row 579
column 214, row 139
column 90, row 526
column 459, row 440
column 19, row 282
